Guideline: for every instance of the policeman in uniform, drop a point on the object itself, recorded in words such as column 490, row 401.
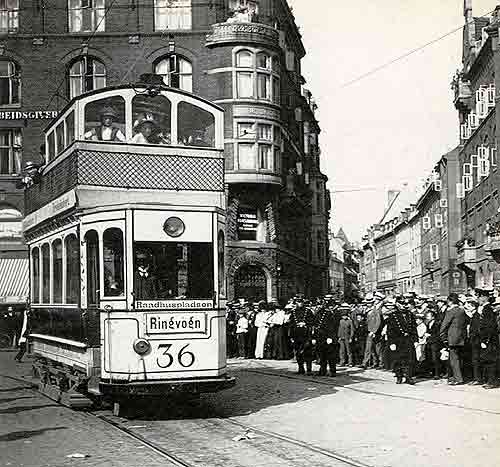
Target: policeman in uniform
column 401, row 336
column 325, row 333
column 301, row 328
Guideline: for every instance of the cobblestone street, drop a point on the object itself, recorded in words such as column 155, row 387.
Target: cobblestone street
column 360, row 415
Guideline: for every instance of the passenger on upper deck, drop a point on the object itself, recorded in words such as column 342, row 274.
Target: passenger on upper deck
column 147, row 131
column 107, row 131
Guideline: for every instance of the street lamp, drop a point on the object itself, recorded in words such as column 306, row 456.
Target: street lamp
column 278, row 274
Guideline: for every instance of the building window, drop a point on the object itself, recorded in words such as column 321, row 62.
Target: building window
column 86, row 15
column 257, row 76
column 86, row 74
column 251, row 223
column 172, row 14
column 177, row 72
column 10, row 152
column 259, row 146
column 10, row 83
column 434, row 252
column 9, row 16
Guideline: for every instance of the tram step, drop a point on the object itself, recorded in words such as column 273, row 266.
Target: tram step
column 71, row 399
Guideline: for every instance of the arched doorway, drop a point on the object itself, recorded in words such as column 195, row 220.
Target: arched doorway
column 250, row 282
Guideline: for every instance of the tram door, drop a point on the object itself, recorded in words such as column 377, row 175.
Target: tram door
column 93, row 276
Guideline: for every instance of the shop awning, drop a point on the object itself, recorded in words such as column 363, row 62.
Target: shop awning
column 14, row 280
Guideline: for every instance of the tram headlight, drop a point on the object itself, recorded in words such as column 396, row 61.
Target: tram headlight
column 142, row 346
column 174, row 227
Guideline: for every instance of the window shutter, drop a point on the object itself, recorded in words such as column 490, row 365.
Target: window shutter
column 290, row 60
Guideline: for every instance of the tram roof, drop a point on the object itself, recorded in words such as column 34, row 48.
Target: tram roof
column 128, row 86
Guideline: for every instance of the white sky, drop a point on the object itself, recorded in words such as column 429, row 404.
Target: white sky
column 391, row 127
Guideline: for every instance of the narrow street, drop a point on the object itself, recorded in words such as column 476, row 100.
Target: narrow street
column 272, row 417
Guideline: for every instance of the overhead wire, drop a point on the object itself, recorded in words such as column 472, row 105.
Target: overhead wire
column 407, row 54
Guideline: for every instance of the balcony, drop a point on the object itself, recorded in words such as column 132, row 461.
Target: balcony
column 240, row 176
column 463, row 93
column 255, row 33
column 492, row 246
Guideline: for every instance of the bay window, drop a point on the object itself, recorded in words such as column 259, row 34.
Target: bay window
column 86, row 15
column 257, row 76
column 258, row 146
column 172, row 14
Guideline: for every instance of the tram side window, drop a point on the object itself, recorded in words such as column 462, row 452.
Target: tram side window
column 57, row 271
column 196, row 126
column 60, row 137
column 113, row 262
column 105, row 120
column 35, row 286
column 170, row 270
column 72, row 248
column 45, row 273
column 70, row 127
column 51, row 142
column 152, row 120
column 93, row 277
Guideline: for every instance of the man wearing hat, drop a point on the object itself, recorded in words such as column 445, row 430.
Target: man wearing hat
column 301, row 328
column 484, row 340
column 345, row 334
column 453, row 332
column 325, row 333
column 107, row 131
column 401, row 336
column 374, row 323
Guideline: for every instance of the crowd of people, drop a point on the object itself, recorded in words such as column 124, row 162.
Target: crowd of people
column 455, row 337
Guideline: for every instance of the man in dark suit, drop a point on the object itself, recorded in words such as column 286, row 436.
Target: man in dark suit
column 434, row 345
column 452, row 332
column 484, row 340
column 325, row 334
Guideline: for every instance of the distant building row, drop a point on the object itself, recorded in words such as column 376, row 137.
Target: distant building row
column 449, row 239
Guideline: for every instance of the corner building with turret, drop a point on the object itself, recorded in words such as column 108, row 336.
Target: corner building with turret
column 244, row 55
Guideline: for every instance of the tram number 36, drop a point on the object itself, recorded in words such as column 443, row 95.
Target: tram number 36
column 184, row 357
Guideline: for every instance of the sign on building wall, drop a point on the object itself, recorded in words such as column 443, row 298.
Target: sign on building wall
column 28, row 115
column 247, row 224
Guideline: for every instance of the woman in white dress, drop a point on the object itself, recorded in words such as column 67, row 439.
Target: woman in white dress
column 262, row 329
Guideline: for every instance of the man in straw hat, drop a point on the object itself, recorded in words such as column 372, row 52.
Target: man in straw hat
column 106, row 131
column 374, row 323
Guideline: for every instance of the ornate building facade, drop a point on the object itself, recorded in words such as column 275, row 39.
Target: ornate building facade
column 244, row 55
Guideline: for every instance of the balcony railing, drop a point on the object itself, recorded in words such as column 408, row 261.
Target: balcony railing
column 226, row 33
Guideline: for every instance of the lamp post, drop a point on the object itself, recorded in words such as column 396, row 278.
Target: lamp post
column 278, row 275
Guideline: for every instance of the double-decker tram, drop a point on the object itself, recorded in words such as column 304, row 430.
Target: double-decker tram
column 125, row 226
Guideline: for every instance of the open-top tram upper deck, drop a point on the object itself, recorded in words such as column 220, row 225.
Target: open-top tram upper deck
column 126, row 224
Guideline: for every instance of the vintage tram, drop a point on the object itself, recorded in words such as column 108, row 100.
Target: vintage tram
column 125, row 226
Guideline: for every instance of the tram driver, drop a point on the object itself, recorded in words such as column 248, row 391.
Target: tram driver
column 106, row 131
column 144, row 279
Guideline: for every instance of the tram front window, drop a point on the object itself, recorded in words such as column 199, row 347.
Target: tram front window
column 196, row 126
column 151, row 120
column 105, row 120
column 169, row 270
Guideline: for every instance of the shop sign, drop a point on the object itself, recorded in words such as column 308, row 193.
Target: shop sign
column 10, row 229
column 28, row 115
column 59, row 205
column 247, row 221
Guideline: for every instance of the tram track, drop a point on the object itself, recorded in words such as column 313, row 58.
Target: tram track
column 331, row 383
